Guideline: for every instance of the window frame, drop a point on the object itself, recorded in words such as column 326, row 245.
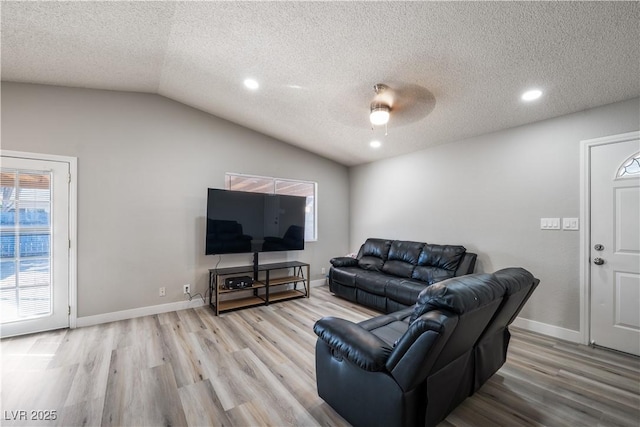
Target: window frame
column 227, row 184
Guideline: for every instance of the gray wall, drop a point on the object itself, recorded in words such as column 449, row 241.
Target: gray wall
column 144, row 164
column 488, row 193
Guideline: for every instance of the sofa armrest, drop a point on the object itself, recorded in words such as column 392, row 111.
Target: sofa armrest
column 467, row 264
column 354, row 343
column 344, row 261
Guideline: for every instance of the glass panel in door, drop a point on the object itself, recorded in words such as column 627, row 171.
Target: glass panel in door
column 25, row 236
column 34, row 245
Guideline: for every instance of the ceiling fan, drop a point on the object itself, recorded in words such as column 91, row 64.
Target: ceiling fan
column 394, row 104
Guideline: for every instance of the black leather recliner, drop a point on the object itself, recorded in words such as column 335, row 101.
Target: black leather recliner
column 414, row 366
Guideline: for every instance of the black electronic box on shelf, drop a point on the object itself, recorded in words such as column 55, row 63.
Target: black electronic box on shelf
column 239, row 282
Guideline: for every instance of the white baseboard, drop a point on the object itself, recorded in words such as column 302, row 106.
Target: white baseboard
column 549, row 330
column 318, row 282
column 151, row 310
column 137, row 312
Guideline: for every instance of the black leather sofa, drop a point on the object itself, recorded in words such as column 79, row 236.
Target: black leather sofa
column 388, row 275
column 414, row 366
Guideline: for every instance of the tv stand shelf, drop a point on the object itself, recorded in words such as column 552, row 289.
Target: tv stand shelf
column 265, row 289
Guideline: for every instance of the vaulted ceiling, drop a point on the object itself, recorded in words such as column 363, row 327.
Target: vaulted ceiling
column 458, row 68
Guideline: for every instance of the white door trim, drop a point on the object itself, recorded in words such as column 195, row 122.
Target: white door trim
column 585, row 231
column 73, row 222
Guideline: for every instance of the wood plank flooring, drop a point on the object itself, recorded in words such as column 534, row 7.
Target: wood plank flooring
column 256, row 367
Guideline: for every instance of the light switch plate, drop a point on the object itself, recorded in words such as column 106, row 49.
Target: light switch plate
column 570, row 223
column 550, row 223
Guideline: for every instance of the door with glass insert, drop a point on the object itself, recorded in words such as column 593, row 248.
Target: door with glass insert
column 34, row 245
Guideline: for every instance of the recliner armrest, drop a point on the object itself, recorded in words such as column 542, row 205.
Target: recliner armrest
column 343, row 261
column 354, row 343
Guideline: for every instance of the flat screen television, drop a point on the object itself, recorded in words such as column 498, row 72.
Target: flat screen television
column 243, row 222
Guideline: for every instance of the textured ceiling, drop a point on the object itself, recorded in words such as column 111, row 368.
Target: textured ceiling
column 317, row 62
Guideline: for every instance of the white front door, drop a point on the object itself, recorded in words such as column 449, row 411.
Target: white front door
column 615, row 245
column 34, row 245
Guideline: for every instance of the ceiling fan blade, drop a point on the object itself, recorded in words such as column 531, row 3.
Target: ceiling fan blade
column 413, row 103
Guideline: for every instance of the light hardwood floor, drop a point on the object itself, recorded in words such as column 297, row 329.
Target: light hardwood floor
column 256, row 367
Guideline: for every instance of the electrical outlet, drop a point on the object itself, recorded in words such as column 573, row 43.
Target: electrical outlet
column 324, row 270
column 187, row 289
column 162, row 291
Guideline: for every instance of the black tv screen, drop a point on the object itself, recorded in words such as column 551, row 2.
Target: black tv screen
column 242, row 222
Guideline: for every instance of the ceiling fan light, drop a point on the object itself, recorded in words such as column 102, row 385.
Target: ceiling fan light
column 379, row 115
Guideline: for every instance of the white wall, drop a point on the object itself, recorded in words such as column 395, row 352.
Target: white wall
column 488, row 193
column 144, row 165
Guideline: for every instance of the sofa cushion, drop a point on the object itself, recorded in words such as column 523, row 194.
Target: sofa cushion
column 373, row 254
column 378, row 321
column 431, row 275
column 459, row 295
column 372, row 281
column 438, row 262
column 403, row 257
column 404, row 291
column 391, row 332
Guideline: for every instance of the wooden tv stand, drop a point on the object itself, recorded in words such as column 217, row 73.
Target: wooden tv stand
column 293, row 283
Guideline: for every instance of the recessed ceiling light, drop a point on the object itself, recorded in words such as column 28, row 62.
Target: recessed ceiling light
column 375, row 144
column 531, row 95
column 251, row 84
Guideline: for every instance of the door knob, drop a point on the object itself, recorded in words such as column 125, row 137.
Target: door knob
column 598, row 261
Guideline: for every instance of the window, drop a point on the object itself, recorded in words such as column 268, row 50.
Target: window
column 631, row 167
column 25, row 244
column 291, row 187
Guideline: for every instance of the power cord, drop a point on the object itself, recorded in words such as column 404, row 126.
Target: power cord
column 196, row 295
column 204, row 297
